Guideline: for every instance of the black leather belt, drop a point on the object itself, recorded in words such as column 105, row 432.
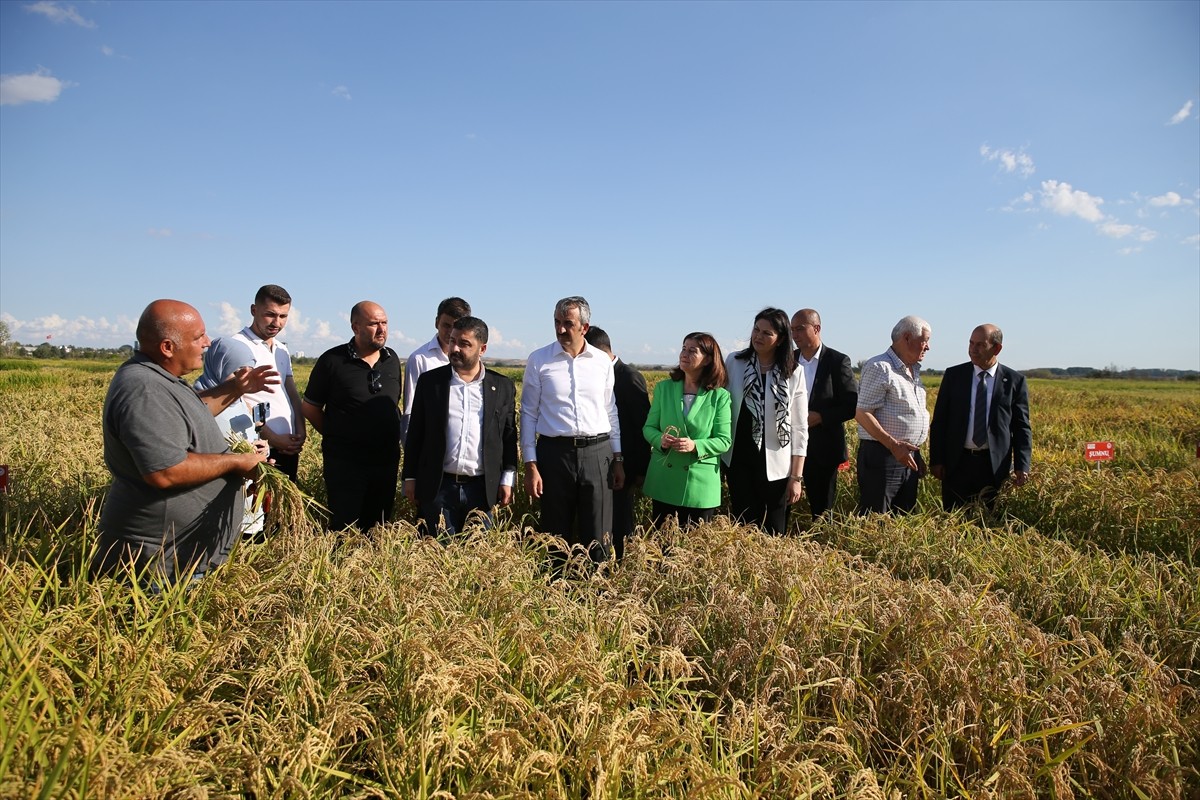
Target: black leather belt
column 456, row 478
column 579, row 441
column 982, row 451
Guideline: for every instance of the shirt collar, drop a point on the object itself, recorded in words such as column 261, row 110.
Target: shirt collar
column 800, row 356
column 384, row 353
column 990, row 371
column 899, row 364
column 587, row 350
column 456, row 380
column 249, row 333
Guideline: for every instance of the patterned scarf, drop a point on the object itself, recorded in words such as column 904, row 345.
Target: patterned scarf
column 753, row 381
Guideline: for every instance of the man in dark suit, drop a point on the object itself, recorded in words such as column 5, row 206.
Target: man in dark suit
column 832, row 399
column 633, row 405
column 461, row 453
column 980, row 427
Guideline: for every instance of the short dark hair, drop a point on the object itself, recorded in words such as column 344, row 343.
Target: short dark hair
column 273, row 292
column 473, row 324
column 785, row 359
column 598, row 337
column 454, row 307
column 714, row 376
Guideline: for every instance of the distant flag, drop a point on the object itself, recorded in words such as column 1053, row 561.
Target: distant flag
column 49, row 336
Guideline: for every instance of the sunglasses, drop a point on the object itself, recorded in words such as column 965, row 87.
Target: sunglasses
column 375, row 381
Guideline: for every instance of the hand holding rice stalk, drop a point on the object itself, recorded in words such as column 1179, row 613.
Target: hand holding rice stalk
column 283, row 500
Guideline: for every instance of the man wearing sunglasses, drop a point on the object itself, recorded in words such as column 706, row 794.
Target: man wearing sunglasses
column 352, row 400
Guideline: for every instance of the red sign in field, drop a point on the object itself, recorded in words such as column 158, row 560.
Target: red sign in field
column 1099, row 451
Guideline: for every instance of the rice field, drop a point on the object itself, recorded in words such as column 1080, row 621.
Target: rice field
column 1051, row 651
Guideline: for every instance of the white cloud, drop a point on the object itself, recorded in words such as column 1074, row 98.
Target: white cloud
column 297, row 324
column 1010, row 161
column 1181, row 114
column 106, row 50
column 79, row 331
column 1193, row 240
column 1128, row 251
column 323, row 331
column 342, row 92
column 231, row 320
column 160, row 233
column 57, row 13
column 1025, row 199
column 1115, row 229
column 1119, row 230
column 1062, row 199
column 1168, row 199
column 30, row 87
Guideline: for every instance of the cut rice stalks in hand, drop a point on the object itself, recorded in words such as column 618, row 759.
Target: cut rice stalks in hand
column 285, row 504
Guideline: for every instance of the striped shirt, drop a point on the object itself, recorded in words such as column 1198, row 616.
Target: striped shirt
column 896, row 398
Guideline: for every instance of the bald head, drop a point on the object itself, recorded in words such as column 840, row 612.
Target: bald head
column 806, row 331
column 369, row 322
column 161, row 320
column 171, row 334
column 985, row 345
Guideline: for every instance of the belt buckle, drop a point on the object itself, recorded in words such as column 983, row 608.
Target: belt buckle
column 581, row 441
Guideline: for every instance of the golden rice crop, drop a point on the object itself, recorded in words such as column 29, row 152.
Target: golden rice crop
column 1050, row 654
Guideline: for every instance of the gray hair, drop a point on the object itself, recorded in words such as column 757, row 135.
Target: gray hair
column 567, row 303
column 912, row 325
column 995, row 335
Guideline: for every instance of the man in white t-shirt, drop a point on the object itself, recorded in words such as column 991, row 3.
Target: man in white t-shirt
column 275, row 411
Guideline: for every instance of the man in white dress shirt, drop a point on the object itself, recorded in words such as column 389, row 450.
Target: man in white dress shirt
column 570, row 433
column 431, row 355
column 461, row 455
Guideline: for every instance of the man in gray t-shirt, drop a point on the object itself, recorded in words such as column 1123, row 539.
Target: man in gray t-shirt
column 176, row 496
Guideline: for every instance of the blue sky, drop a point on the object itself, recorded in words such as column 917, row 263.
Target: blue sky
column 681, row 165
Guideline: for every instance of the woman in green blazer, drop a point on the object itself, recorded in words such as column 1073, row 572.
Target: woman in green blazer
column 689, row 424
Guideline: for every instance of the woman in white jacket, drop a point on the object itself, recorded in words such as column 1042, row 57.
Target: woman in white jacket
column 765, row 466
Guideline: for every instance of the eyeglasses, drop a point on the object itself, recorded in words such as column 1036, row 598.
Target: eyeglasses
column 375, row 381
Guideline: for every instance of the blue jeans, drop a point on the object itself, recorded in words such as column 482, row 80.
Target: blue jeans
column 453, row 503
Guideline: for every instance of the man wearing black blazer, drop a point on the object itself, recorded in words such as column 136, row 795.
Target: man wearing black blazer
column 980, row 428
column 461, row 452
column 633, row 406
column 832, row 399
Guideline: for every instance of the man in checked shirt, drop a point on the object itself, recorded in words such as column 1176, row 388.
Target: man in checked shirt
column 893, row 421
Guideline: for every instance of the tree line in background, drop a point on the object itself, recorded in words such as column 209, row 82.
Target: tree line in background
column 13, row 349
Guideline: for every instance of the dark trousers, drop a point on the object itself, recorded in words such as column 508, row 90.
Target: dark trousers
column 455, row 501
column 971, row 480
column 576, row 498
column 820, row 484
column 687, row 516
column 753, row 498
column 362, row 490
column 622, row 516
column 884, row 484
column 287, row 463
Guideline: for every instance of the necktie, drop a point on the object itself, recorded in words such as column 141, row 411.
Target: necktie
column 979, row 429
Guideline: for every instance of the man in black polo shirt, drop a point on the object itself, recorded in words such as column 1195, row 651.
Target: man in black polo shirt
column 352, row 400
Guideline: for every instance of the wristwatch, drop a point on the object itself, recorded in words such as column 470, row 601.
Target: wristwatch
column 618, row 457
